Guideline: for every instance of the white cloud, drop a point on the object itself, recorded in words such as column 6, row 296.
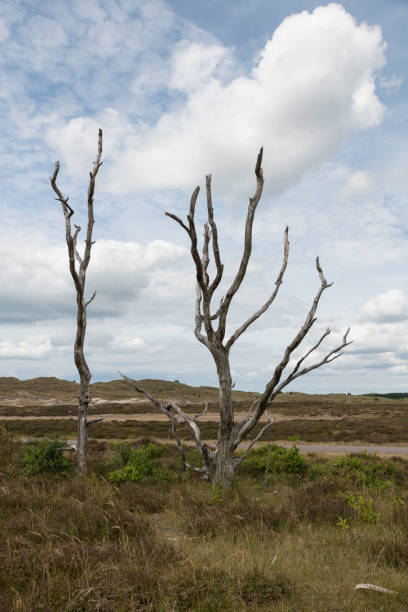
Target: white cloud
column 300, row 120
column 194, row 63
column 389, row 306
column 29, row 348
column 36, row 284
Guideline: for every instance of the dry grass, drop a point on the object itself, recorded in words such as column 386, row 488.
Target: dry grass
column 375, row 430
column 84, row 544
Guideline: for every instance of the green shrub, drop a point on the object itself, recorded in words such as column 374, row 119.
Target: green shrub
column 123, row 453
column 46, row 456
column 363, row 469
column 364, row 507
column 276, row 460
column 138, row 463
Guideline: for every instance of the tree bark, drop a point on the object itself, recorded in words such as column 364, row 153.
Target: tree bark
column 224, row 459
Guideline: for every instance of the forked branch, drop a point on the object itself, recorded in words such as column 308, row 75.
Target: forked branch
column 265, row 307
column 273, row 387
column 271, row 421
column 169, row 410
column 236, row 283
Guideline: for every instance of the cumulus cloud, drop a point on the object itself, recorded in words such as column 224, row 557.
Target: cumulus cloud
column 36, row 284
column 388, row 306
column 332, row 62
column 29, row 348
column 194, row 63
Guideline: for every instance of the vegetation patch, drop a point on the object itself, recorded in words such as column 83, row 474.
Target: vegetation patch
column 45, row 456
column 139, row 463
column 88, row 544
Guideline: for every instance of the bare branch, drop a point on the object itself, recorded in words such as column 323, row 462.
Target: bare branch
column 200, row 414
column 90, row 299
column 251, row 407
column 205, row 259
column 321, row 275
column 94, row 421
column 265, row 307
column 271, row 387
column 185, row 418
column 199, row 317
column 71, row 447
column 253, row 203
column 64, row 201
column 327, row 359
column 193, row 202
column 215, row 316
column 301, row 360
column 152, row 399
column 255, row 440
column 379, row 589
column 193, row 427
column 74, row 239
column 91, row 188
column 178, row 221
column 214, row 233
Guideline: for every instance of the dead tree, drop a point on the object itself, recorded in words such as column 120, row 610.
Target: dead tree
column 78, row 265
column 210, row 327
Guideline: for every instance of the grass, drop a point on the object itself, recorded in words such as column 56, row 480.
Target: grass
column 299, row 543
column 376, row 430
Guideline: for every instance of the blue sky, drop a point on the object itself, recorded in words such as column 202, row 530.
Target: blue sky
column 181, row 90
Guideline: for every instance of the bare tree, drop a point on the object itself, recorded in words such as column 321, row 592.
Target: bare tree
column 220, row 462
column 78, row 265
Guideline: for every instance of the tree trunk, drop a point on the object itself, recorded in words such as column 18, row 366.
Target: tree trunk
column 224, row 465
column 82, row 442
column 84, row 395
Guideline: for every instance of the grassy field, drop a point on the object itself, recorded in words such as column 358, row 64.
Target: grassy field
column 298, row 537
column 333, row 418
column 374, row 431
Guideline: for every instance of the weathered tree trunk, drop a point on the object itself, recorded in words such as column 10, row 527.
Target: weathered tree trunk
column 79, row 278
column 224, row 459
column 221, row 462
column 84, row 397
column 82, row 442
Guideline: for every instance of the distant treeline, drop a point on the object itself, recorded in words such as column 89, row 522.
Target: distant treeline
column 388, row 395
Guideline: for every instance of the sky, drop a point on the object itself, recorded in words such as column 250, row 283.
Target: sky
column 184, row 89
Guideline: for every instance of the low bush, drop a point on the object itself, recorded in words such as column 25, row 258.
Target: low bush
column 364, row 507
column 138, row 464
column 365, row 470
column 274, row 459
column 46, row 456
